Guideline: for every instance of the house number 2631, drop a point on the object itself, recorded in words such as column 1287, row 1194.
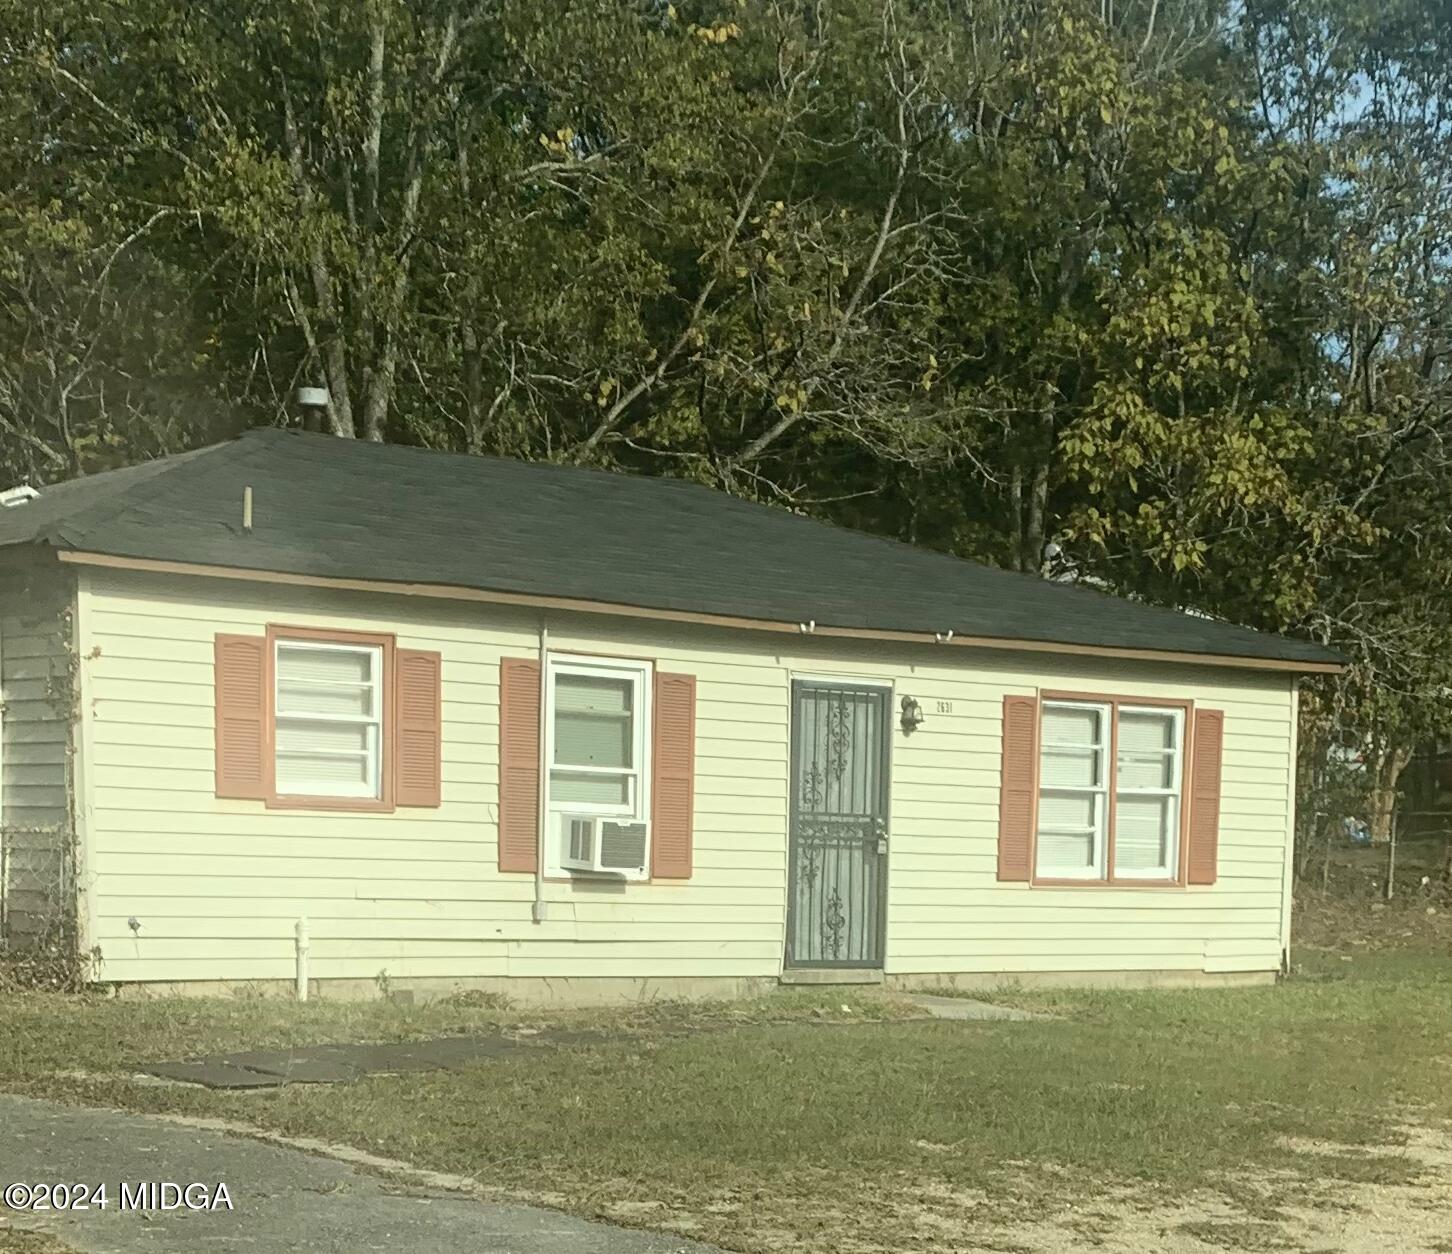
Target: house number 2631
column 945, row 707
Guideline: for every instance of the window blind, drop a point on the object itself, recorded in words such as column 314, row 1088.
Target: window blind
column 328, row 721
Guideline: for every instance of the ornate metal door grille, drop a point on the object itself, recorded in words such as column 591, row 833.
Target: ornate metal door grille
column 839, row 782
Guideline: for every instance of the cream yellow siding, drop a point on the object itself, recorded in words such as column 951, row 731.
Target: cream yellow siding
column 216, row 885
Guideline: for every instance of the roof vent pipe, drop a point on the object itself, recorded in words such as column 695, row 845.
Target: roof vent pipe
column 313, row 402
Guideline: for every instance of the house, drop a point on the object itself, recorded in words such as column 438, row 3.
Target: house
column 467, row 722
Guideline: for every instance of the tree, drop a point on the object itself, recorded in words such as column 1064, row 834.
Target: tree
column 103, row 357
column 1163, row 283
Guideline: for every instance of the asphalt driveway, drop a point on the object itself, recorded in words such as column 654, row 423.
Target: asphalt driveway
column 281, row 1199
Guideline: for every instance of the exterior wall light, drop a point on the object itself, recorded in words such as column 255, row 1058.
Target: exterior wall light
column 912, row 716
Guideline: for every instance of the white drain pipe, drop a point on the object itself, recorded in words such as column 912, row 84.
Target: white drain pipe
column 539, row 911
column 300, row 944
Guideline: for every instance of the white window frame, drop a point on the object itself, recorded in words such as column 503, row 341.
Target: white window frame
column 1099, row 791
column 372, row 754
column 641, row 676
column 1176, row 754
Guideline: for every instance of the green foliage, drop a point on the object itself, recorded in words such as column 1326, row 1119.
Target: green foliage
column 1167, row 287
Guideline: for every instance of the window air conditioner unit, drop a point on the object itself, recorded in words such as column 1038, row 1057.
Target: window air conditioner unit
column 605, row 846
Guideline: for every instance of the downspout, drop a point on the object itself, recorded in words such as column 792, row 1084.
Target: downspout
column 539, row 910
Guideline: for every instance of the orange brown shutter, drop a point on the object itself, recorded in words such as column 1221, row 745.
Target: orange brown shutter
column 1016, row 795
column 1205, row 760
column 418, row 738
column 519, row 702
column 239, row 679
column 673, row 778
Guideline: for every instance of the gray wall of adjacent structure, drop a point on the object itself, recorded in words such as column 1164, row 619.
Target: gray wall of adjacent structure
column 36, row 714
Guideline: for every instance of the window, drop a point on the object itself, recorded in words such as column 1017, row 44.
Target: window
column 311, row 718
column 597, row 750
column 329, row 719
column 1073, row 794
column 1147, row 794
column 1101, row 824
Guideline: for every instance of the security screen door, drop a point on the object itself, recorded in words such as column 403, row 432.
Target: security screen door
column 839, row 808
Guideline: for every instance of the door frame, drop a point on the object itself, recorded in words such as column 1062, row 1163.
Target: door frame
column 883, row 689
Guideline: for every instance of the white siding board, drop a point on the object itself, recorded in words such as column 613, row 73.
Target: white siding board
column 216, row 884
column 361, row 931
column 206, row 892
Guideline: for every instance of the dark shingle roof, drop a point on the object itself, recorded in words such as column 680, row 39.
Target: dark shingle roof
column 348, row 509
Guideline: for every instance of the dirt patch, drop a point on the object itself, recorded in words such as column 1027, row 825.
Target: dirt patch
column 1294, row 1210
column 1420, row 922
column 1404, row 1204
column 1342, row 907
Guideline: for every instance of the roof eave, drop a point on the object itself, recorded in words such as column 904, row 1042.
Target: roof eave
column 577, row 605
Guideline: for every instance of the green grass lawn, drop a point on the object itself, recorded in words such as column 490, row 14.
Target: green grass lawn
column 790, row 1124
